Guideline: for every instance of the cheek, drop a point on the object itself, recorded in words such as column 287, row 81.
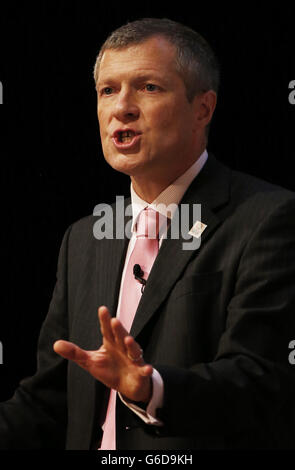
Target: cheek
column 167, row 118
column 103, row 133
column 104, row 140
column 169, row 130
column 102, row 120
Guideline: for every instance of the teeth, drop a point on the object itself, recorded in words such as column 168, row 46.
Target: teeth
column 126, row 136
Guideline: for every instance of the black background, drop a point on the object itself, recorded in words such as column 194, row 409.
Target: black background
column 52, row 167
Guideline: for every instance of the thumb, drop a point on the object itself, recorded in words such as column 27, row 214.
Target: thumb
column 146, row 370
column 70, row 351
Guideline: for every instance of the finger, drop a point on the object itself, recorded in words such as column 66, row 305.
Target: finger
column 70, row 351
column 105, row 323
column 134, row 351
column 146, row 370
column 119, row 333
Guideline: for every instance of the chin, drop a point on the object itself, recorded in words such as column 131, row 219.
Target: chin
column 124, row 167
column 128, row 164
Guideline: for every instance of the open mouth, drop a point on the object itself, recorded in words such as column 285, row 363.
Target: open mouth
column 126, row 138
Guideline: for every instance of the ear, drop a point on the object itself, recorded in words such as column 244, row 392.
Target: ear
column 204, row 106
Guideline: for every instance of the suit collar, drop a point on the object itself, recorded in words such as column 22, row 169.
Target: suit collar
column 211, row 187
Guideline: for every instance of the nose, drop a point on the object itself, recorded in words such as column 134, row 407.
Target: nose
column 125, row 107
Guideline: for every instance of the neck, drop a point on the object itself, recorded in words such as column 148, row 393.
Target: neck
column 148, row 187
column 149, row 190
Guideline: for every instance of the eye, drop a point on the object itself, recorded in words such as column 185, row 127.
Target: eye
column 106, row 91
column 151, row 87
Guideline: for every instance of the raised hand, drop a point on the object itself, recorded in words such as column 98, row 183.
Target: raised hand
column 118, row 363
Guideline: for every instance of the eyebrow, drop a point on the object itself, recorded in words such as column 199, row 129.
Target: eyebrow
column 140, row 77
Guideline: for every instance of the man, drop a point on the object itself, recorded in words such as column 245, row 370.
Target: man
column 202, row 362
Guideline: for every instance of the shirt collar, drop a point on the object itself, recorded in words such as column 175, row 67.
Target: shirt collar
column 171, row 195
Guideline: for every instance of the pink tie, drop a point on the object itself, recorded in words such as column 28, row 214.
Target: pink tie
column 144, row 253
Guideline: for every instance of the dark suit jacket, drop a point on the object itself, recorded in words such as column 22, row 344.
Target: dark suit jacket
column 216, row 322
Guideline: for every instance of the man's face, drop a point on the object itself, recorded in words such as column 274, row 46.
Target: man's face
column 147, row 125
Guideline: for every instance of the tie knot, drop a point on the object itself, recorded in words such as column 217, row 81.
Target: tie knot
column 148, row 223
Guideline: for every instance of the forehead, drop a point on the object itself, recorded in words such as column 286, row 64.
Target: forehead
column 155, row 54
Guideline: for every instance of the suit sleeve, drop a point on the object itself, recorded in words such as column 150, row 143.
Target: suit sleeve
column 250, row 383
column 36, row 416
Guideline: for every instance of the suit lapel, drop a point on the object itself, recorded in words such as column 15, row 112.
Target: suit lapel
column 110, row 258
column 211, row 190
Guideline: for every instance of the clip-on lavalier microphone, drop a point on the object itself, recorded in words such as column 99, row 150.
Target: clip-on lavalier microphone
column 138, row 273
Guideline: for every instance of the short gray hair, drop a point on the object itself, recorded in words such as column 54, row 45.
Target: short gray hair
column 195, row 60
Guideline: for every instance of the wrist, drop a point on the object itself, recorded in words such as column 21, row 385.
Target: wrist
column 145, row 395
